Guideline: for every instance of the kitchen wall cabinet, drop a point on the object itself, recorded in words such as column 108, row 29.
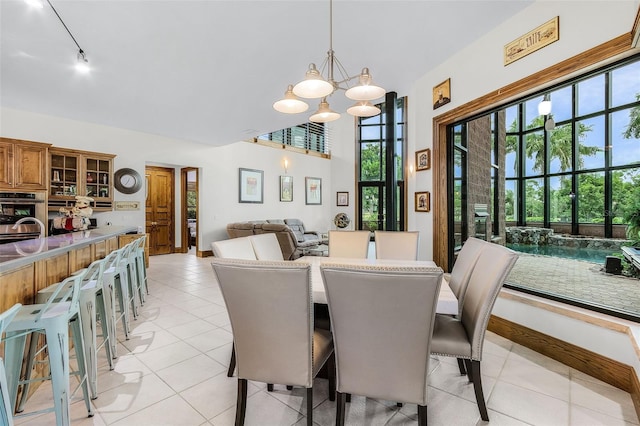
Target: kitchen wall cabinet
column 23, row 165
column 74, row 172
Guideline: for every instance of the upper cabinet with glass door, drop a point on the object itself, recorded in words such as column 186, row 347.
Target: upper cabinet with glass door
column 74, row 172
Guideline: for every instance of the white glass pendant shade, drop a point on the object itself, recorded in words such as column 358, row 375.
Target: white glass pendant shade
column 35, row 3
column 82, row 65
column 290, row 104
column 365, row 90
column 324, row 114
column 363, row 109
column 313, row 86
column 550, row 124
column 544, row 107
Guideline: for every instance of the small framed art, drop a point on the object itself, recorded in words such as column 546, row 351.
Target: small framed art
column 342, row 199
column 442, row 94
column 251, row 186
column 423, row 159
column 313, row 190
column 423, row 201
column 286, row 188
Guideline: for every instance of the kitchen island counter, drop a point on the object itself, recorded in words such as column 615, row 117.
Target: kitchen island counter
column 15, row 255
column 31, row 265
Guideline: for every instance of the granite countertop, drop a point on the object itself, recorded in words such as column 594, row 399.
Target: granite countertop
column 15, row 255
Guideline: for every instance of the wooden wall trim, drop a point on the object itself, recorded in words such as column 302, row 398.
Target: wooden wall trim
column 603, row 52
column 602, row 368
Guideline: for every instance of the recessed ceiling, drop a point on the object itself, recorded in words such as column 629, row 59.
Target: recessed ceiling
column 208, row 71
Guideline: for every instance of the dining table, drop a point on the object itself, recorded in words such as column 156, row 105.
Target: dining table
column 447, row 301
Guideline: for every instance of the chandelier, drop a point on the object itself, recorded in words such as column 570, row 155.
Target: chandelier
column 315, row 86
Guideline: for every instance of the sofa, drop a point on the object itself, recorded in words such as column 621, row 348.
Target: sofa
column 295, row 241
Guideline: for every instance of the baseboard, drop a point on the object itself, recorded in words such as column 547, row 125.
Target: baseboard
column 602, row 368
column 205, row 253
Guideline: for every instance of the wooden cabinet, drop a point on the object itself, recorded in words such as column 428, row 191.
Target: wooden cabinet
column 23, row 165
column 74, row 172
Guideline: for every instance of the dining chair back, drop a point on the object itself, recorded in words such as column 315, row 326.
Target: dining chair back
column 270, row 308
column 354, row 244
column 382, row 320
column 266, row 246
column 458, row 279
column 397, row 245
column 234, row 248
column 6, row 409
column 463, row 336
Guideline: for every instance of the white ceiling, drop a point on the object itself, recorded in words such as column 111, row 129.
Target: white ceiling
column 209, row 71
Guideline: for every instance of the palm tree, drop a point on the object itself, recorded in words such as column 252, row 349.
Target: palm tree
column 561, row 142
column 633, row 128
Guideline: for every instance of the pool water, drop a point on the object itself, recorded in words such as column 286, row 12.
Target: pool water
column 589, row 255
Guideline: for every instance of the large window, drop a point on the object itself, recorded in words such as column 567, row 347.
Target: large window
column 374, row 172
column 311, row 136
column 575, row 170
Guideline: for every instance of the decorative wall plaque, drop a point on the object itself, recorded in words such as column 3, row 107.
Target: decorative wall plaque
column 536, row 39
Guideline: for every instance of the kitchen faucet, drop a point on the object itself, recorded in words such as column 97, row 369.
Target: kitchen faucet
column 38, row 221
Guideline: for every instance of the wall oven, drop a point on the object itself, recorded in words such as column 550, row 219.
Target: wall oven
column 19, row 205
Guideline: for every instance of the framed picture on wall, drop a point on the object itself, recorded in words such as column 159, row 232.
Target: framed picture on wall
column 313, row 190
column 342, row 199
column 442, row 94
column 251, row 186
column 286, row 188
column 423, row 159
column 423, row 201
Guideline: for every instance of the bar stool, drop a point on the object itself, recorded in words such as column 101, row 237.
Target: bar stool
column 141, row 268
column 53, row 319
column 6, row 409
column 92, row 300
column 115, row 284
column 135, row 286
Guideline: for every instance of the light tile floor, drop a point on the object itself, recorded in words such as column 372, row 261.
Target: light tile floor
column 173, row 372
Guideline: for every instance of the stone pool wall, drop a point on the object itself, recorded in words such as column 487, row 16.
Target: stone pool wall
column 543, row 236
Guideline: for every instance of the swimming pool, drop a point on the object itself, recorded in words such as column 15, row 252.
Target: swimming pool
column 589, row 255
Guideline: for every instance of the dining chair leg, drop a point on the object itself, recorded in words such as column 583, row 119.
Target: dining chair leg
column 348, row 397
column 477, row 387
column 269, row 387
column 463, row 371
column 467, row 367
column 422, row 415
column 309, row 406
column 232, row 362
column 241, row 406
column 340, row 407
column 331, row 366
column 289, row 387
column 399, row 404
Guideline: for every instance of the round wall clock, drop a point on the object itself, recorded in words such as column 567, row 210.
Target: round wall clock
column 127, row 181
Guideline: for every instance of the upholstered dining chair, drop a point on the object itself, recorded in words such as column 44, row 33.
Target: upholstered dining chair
column 266, row 246
column 397, row 245
column 354, row 244
column 382, row 320
column 270, row 308
column 461, row 272
column 463, row 336
column 234, row 248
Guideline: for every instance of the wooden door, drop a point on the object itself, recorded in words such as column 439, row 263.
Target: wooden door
column 159, row 209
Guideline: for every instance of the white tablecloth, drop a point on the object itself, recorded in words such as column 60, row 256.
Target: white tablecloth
column 447, row 302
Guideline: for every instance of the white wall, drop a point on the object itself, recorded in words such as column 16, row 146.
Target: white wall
column 218, row 171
